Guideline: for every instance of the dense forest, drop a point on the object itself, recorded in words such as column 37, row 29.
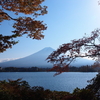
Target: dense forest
column 36, row 69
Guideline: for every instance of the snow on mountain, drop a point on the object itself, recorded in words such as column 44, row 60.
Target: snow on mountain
column 38, row 59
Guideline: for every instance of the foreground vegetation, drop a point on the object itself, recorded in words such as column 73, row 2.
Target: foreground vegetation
column 20, row 90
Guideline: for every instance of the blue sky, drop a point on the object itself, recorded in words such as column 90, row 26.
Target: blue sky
column 66, row 20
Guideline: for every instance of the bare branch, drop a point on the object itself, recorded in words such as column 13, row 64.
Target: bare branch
column 67, row 53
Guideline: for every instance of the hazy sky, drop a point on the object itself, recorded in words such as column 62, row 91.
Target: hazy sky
column 66, row 20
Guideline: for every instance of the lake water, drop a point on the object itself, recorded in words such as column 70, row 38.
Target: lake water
column 64, row 82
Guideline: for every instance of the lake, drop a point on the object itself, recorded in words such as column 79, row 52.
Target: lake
column 67, row 81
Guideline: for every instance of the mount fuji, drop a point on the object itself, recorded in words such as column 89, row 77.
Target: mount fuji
column 38, row 59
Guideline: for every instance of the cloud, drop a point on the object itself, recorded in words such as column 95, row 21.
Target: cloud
column 7, row 59
column 89, row 58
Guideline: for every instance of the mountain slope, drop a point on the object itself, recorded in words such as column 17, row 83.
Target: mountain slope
column 36, row 59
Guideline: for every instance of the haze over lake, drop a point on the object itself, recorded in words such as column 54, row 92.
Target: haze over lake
column 64, row 82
